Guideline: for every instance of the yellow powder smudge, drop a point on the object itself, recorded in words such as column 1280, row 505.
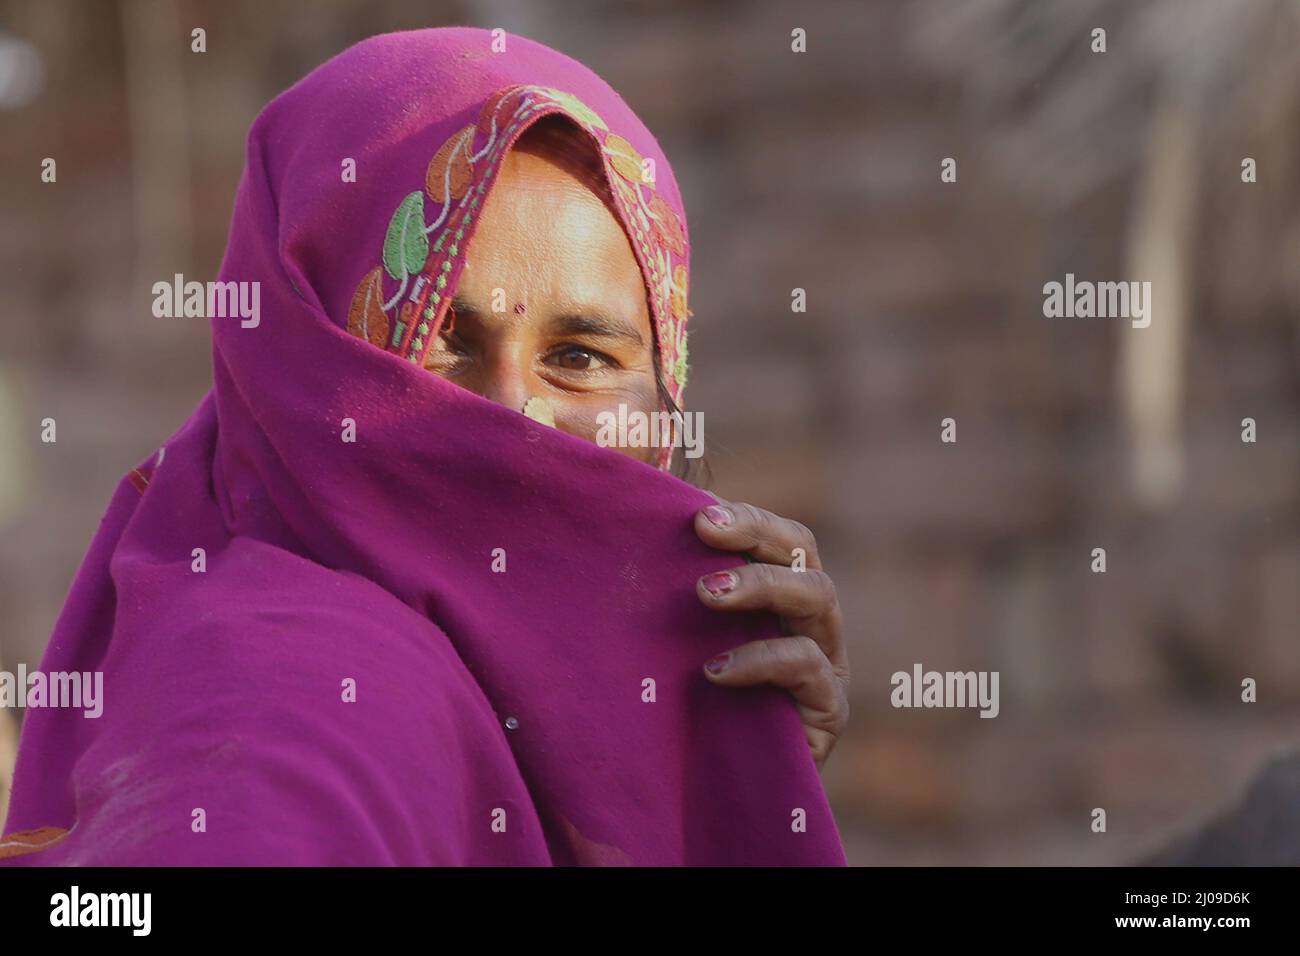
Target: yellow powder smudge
column 540, row 410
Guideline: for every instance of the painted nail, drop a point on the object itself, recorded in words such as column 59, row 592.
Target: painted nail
column 718, row 664
column 719, row 582
column 719, row 515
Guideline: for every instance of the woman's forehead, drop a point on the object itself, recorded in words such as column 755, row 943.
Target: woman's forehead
column 545, row 235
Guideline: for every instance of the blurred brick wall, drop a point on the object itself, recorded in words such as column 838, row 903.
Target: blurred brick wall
column 924, row 301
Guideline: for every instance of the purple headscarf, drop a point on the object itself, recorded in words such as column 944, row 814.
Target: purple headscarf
column 461, row 638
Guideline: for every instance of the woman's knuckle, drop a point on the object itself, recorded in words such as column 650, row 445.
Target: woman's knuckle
column 746, row 513
column 772, row 654
column 765, row 577
column 802, row 537
column 827, row 585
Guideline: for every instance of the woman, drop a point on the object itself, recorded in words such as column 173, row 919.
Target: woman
column 355, row 612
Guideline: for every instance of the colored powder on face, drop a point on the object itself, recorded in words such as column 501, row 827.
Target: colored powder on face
column 540, row 410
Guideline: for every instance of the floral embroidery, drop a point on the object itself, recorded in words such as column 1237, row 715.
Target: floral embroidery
column 625, row 159
column 580, row 110
column 679, row 293
column 366, row 318
column 421, row 255
column 679, row 367
column 450, row 171
column 668, row 227
column 406, row 247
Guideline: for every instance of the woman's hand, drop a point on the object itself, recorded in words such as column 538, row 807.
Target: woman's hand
column 811, row 661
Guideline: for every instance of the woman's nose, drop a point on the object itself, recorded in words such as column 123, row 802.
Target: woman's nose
column 506, row 382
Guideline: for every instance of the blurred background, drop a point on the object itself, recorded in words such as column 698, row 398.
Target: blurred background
column 818, row 171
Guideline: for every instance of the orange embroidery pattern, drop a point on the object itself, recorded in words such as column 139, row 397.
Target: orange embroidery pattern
column 31, row 841
column 140, row 477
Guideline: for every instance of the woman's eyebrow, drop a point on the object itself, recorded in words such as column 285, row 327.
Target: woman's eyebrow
column 594, row 323
column 581, row 321
column 463, row 306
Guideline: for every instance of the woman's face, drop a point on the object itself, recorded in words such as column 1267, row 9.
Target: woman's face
column 551, row 303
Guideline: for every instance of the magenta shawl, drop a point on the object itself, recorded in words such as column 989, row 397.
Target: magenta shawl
column 555, row 713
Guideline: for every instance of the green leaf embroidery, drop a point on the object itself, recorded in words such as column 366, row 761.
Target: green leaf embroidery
column 406, row 247
column 680, row 366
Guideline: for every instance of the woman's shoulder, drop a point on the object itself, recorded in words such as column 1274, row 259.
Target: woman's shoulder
column 250, row 586
column 252, row 612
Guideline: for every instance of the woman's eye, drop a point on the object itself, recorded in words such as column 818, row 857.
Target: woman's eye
column 579, row 359
column 446, row 354
column 446, row 347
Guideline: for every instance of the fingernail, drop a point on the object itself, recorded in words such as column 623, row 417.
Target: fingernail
column 719, row 515
column 718, row 664
column 719, row 582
